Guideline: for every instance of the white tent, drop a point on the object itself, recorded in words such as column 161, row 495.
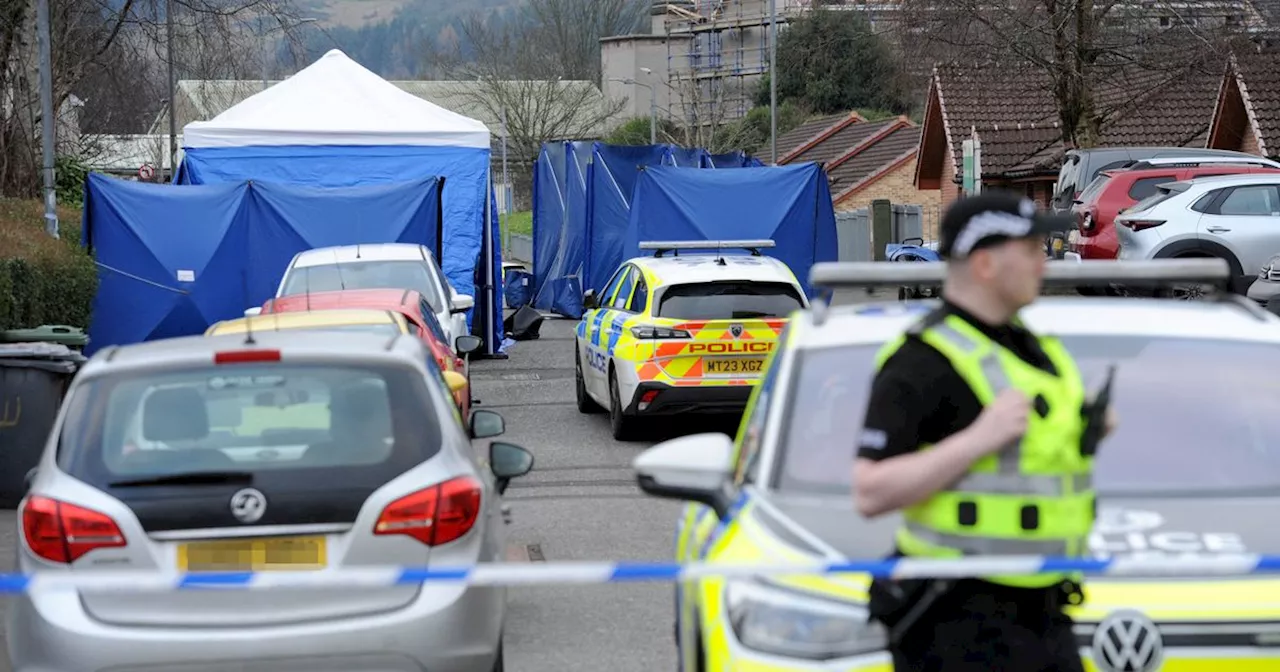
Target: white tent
column 336, row 101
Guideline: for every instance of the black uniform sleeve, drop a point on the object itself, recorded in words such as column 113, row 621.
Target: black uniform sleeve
column 903, row 397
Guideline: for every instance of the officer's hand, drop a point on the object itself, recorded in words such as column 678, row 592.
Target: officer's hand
column 1113, row 420
column 1003, row 421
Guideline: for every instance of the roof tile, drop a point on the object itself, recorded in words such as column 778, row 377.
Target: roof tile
column 1260, row 73
column 839, row 143
column 797, row 137
column 874, row 158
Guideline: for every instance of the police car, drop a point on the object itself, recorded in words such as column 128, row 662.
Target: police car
column 1193, row 470
column 686, row 330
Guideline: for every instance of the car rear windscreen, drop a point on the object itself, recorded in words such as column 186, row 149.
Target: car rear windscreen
column 276, row 420
column 733, row 300
column 406, row 274
column 1196, row 416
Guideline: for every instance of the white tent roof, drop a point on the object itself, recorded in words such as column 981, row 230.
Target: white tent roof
column 336, row 101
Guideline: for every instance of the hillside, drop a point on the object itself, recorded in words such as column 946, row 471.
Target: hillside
column 394, row 38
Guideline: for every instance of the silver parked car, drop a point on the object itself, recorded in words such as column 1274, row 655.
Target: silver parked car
column 1232, row 217
column 285, row 451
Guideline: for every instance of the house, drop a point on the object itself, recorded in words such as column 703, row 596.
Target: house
column 1012, row 111
column 864, row 160
column 1247, row 115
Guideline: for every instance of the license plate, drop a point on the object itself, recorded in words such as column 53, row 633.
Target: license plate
column 252, row 555
column 733, row 365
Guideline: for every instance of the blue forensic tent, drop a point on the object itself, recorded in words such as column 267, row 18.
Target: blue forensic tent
column 336, row 124
column 581, row 211
column 790, row 205
column 173, row 260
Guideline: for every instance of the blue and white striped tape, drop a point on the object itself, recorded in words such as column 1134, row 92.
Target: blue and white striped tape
column 510, row 574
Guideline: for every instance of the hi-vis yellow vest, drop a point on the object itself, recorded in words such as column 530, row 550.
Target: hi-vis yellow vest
column 1035, row 498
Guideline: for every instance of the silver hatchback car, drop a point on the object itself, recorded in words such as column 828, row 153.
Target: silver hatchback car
column 287, row 451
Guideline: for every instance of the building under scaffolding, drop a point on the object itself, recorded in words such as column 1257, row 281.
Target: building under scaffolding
column 716, row 71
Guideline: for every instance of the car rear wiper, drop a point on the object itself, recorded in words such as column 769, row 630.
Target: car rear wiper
column 192, row 478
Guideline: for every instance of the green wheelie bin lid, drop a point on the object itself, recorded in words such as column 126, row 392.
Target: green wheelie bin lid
column 72, row 337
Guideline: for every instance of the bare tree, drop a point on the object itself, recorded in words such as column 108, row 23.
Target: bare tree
column 113, row 56
column 530, row 71
column 1078, row 48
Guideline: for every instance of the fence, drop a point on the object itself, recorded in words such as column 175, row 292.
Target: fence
column 853, row 230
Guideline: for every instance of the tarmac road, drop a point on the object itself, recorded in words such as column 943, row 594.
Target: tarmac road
column 579, row 503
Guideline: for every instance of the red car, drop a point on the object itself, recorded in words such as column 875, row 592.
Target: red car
column 1114, row 190
column 411, row 304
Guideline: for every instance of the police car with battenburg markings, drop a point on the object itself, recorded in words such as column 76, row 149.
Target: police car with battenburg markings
column 1193, row 470
column 686, row 330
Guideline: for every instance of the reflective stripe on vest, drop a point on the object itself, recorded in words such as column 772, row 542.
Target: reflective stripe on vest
column 997, row 489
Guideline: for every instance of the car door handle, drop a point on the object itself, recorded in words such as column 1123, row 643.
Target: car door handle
column 1217, row 229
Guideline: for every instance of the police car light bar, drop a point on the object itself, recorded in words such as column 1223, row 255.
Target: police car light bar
column 1070, row 273
column 753, row 246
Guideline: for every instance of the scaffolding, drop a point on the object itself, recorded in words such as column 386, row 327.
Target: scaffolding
column 721, row 51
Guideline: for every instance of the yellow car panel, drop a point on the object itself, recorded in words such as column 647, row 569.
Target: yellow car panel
column 345, row 319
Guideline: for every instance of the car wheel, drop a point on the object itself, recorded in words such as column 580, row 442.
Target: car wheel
column 621, row 425
column 585, row 403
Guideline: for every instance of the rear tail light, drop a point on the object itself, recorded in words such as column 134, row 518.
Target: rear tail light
column 1141, row 224
column 435, row 515
column 646, row 399
column 63, row 533
column 246, row 356
column 648, row 332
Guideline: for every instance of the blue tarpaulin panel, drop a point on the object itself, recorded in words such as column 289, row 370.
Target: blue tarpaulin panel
column 175, row 259
column 466, row 192
column 582, row 210
column 170, row 261
column 790, row 205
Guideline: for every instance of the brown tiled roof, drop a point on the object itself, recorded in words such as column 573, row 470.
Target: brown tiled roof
column 874, row 158
column 797, row 137
column 839, row 143
column 1015, row 115
column 1259, row 78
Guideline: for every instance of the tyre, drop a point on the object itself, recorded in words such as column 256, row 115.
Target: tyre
column 585, row 403
column 623, row 427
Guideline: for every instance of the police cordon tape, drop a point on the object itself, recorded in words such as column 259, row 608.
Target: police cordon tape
column 511, row 574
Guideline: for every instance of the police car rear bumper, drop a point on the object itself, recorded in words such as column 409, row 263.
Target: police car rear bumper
column 661, row 399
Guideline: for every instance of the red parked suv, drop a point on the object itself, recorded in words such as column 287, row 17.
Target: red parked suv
column 1114, row 190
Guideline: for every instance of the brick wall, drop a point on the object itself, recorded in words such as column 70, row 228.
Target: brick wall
column 897, row 186
column 950, row 190
column 1249, row 142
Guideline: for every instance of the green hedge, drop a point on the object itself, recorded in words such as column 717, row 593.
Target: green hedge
column 42, row 280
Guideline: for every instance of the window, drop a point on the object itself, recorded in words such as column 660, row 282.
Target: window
column 433, row 325
column 269, row 420
column 1095, row 187
column 1162, row 194
column 407, row 274
column 1178, row 400
column 1146, row 187
column 624, row 288
column 606, row 297
column 1251, row 200
column 747, row 466
column 731, row 300
column 640, row 298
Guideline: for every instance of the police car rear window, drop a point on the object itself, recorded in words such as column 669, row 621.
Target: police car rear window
column 734, row 300
column 1196, row 416
column 277, row 419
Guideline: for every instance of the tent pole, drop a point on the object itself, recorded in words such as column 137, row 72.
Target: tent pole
column 491, row 347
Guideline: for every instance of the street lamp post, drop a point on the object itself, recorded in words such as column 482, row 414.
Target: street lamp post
column 653, row 109
column 773, row 81
column 48, row 118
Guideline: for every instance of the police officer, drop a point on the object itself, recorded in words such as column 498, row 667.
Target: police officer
column 974, row 432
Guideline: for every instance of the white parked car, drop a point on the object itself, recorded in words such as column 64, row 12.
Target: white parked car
column 384, row 265
column 1233, row 217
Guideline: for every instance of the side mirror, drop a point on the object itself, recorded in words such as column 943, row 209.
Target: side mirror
column 31, row 476
column 508, row 461
column 589, row 300
column 253, row 311
column 467, row 344
column 691, row 468
column 456, row 381
column 461, row 303
column 486, row 424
